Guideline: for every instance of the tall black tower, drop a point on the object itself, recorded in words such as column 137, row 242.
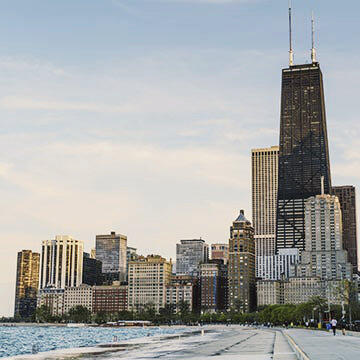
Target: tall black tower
column 303, row 153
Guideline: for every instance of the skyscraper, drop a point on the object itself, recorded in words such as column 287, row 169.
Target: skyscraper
column 189, row 255
column 61, row 262
column 347, row 198
column 264, row 171
column 303, row 152
column 241, row 265
column 27, row 283
column 111, row 250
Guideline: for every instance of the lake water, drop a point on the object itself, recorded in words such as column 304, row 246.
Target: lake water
column 20, row 339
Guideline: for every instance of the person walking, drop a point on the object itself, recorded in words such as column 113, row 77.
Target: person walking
column 333, row 325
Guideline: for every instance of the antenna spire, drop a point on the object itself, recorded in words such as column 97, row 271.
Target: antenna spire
column 313, row 51
column 291, row 53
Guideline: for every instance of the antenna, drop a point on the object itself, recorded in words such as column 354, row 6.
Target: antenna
column 291, row 53
column 313, row 51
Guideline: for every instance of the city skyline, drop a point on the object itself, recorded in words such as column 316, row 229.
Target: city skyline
column 208, row 140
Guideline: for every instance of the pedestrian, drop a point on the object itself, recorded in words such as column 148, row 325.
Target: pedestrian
column 333, row 326
column 343, row 325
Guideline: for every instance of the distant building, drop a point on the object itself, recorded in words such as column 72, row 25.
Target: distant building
column 276, row 267
column 189, row 254
column 269, row 292
column 61, row 262
column 92, row 270
column 241, row 265
column 220, row 252
column 180, row 291
column 264, row 165
column 213, row 286
column 148, row 278
column 53, row 299
column 324, row 256
column 111, row 250
column 79, row 295
column 299, row 290
column 131, row 255
column 27, row 283
column 93, row 253
column 110, row 298
column 347, row 198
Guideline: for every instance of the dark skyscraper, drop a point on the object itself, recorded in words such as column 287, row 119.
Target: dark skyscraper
column 303, row 153
column 347, row 198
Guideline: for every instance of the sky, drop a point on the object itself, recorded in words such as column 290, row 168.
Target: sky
column 139, row 116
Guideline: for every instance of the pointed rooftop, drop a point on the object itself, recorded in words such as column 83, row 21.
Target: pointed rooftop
column 241, row 217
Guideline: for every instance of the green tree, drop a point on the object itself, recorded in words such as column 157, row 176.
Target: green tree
column 79, row 314
column 43, row 314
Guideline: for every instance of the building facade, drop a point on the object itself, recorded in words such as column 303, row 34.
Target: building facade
column 110, row 298
column 189, row 255
column 53, row 299
column 148, row 279
column 241, row 265
column 92, row 270
column 220, row 252
column 276, row 267
column 269, row 292
column 264, row 194
column 178, row 292
column 111, row 250
column 324, row 256
column 298, row 290
column 61, row 262
column 27, row 283
column 303, row 151
column 78, row 295
column 347, row 198
column 213, row 286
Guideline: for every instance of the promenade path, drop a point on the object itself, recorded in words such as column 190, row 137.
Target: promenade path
column 322, row 345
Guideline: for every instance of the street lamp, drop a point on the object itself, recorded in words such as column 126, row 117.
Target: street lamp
column 342, row 291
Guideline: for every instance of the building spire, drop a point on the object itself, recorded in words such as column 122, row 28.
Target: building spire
column 291, row 53
column 313, row 51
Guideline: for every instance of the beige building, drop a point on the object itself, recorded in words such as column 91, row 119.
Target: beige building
column 177, row 292
column 148, row 279
column 300, row 290
column 264, row 196
column 269, row 292
column 80, row 295
column 241, row 265
column 61, row 262
column 27, row 283
column 220, row 252
column 53, row 299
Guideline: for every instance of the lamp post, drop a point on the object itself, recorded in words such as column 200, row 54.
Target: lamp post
column 342, row 291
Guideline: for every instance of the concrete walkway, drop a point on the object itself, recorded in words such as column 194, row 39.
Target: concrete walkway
column 322, row 345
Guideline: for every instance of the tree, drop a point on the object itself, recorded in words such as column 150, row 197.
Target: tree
column 101, row 317
column 79, row 314
column 43, row 314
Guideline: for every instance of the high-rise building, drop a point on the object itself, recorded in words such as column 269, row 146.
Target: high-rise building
column 180, row 290
column 324, row 256
column 303, row 150
column 61, row 262
column 264, row 194
column 27, row 283
column 148, row 278
column 269, row 292
column 92, row 270
column 189, row 255
column 78, row 295
column 111, row 250
column 213, row 286
column 53, row 299
column 347, row 198
column 241, row 265
column 220, row 252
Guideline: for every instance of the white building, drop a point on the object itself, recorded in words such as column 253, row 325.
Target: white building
column 269, row 292
column 178, row 292
column 53, row 299
column 189, row 254
column 61, row 262
column 276, row 267
column 148, row 279
column 81, row 295
column 264, row 195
